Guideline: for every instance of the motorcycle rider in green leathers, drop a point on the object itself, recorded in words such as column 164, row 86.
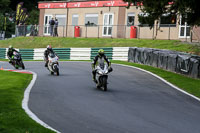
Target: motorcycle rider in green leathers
column 10, row 53
column 99, row 59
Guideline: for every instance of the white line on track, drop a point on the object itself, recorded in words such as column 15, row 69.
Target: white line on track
column 173, row 86
column 25, row 103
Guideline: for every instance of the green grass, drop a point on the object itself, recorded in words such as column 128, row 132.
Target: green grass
column 188, row 84
column 3, row 59
column 13, row 118
column 61, row 42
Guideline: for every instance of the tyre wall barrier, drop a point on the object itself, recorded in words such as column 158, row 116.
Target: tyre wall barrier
column 178, row 62
column 115, row 53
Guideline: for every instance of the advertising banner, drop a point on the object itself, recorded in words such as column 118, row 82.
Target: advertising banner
column 97, row 4
column 18, row 11
column 52, row 5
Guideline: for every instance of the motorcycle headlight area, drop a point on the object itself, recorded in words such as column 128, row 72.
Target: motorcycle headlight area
column 100, row 72
column 106, row 71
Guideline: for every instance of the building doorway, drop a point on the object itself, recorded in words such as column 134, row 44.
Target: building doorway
column 108, row 24
column 46, row 24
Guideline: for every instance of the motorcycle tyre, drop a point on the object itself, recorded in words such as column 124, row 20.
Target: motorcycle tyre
column 23, row 67
column 57, row 72
column 104, row 84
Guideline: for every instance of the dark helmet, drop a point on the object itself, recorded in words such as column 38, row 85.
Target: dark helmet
column 101, row 52
column 49, row 48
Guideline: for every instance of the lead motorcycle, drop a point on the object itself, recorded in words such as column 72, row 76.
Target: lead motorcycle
column 53, row 65
column 17, row 61
column 102, row 76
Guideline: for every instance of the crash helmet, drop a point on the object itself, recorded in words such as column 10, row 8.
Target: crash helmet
column 101, row 52
column 49, row 48
column 10, row 48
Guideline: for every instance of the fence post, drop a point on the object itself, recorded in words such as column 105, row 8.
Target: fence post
column 153, row 33
column 86, row 32
column 139, row 32
column 63, row 30
column 74, row 31
column 98, row 31
column 169, row 32
column 66, row 30
column 24, row 31
column 16, row 30
column 125, row 31
column 111, row 31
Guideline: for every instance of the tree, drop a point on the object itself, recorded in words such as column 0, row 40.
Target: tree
column 155, row 9
column 4, row 4
column 32, row 17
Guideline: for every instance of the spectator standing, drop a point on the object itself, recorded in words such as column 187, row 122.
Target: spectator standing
column 35, row 30
column 51, row 23
column 56, row 28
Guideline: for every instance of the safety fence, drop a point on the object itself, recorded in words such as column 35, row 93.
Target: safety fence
column 115, row 53
column 169, row 60
column 161, row 31
column 178, row 62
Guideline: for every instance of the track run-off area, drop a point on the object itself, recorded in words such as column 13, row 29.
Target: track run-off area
column 136, row 101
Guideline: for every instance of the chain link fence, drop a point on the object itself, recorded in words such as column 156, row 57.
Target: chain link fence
column 164, row 31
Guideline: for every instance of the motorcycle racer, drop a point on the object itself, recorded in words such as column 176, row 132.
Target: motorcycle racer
column 100, row 59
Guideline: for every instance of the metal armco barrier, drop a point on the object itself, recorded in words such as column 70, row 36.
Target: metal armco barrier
column 63, row 53
column 108, row 52
column 178, row 62
column 27, row 54
column 115, row 53
column 3, row 53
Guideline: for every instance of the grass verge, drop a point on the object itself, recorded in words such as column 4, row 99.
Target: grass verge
column 13, row 118
column 63, row 42
column 188, row 84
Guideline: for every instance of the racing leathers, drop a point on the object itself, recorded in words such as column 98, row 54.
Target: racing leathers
column 100, row 59
column 46, row 53
column 10, row 54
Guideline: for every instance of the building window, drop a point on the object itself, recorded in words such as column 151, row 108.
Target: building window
column 184, row 28
column 145, row 20
column 130, row 19
column 91, row 19
column 75, row 19
column 61, row 20
column 168, row 19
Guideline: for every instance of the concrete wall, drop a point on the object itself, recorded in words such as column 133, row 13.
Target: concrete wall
column 41, row 21
column 81, row 20
column 196, row 34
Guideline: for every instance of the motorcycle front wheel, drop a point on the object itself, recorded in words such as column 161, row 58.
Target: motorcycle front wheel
column 104, row 84
column 56, row 70
column 23, row 67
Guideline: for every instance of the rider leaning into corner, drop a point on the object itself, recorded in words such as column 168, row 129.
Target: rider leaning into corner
column 47, row 52
column 99, row 59
column 10, row 53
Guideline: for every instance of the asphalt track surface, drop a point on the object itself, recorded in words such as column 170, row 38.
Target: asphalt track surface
column 136, row 102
